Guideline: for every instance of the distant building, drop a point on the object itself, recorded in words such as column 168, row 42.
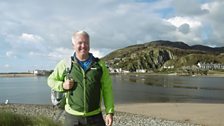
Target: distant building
column 117, row 59
column 210, row 66
column 168, row 67
column 125, row 71
column 141, row 70
column 112, row 70
column 41, row 72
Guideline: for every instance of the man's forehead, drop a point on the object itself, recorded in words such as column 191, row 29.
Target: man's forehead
column 81, row 36
column 82, row 39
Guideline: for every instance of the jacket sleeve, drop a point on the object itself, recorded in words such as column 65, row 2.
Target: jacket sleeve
column 56, row 79
column 107, row 90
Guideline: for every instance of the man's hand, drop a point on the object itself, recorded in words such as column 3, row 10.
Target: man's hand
column 109, row 119
column 68, row 84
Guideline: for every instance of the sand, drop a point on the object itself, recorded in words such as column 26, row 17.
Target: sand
column 198, row 113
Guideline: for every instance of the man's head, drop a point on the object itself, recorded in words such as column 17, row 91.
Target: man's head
column 80, row 41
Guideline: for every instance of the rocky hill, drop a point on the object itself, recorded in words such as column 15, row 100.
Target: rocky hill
column 156, row 55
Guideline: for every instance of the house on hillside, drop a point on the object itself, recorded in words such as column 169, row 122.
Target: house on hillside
column 141, row 70
column 112, row 70
column 168, row 67
column 210, row 66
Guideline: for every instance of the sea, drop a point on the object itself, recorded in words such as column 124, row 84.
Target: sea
column 127, row 88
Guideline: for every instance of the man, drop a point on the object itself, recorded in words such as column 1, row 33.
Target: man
column 85, row 84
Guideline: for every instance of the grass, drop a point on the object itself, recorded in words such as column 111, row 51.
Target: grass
column 13, row 119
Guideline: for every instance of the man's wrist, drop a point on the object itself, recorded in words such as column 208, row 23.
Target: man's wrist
column 112, row 114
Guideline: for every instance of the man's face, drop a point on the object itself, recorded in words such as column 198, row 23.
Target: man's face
column 81, row 45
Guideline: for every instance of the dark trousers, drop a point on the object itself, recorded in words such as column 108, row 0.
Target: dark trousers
column 72, row 120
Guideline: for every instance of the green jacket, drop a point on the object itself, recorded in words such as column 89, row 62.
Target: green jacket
column 90, row 87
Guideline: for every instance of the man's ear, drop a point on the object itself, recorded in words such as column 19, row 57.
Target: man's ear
column 73, row 46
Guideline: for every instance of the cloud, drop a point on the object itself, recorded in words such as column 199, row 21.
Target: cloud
column 189, row 8
column 30, row 38
column 214, row 19
column 178, row 21
column 59, row 53
column 96, row 53
column 43, row 29
column 184, row 28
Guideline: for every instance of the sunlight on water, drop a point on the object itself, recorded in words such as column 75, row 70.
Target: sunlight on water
column 127, row 89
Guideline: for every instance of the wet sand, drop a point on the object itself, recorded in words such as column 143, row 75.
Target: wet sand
column 197, row 113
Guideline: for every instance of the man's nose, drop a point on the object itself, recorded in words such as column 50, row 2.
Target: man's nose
column 84, row 45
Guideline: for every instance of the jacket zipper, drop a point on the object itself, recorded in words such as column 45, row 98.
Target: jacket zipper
column 84, row 92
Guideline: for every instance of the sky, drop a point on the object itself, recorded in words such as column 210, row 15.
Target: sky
column 36, row 34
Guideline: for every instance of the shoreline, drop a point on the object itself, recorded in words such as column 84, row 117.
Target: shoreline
column 17, row 75
column 193, row 114
column 168, row 74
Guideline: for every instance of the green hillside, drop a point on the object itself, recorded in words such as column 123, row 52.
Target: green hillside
column 154, row 56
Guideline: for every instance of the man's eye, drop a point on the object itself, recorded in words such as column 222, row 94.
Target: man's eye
column 82, row 43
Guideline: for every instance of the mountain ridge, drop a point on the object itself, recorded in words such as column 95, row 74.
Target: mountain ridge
column 182, row 45
column 157, row 54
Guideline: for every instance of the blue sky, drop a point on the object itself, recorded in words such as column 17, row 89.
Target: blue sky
column 36, row 34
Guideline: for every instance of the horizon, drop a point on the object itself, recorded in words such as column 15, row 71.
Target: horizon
column 31, row 71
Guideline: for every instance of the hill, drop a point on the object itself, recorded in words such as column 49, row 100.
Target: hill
column 156, row 55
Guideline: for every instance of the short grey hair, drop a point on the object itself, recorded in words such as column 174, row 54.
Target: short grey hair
column 81, row 32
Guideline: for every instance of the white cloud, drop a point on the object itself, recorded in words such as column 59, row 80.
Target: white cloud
column 213, row 22
column 28, row 31
column 178, row 21
column 96, row 53
column 30, row 37
column 206, row 6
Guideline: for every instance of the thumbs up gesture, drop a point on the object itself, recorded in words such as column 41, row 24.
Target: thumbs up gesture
column 68, row 84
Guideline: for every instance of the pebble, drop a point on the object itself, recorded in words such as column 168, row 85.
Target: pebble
column 120, row 118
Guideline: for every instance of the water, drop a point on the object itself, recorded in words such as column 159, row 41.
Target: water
column 30, row 90
column 164, row 88
column 127, row 89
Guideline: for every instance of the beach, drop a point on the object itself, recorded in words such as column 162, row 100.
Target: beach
column 196, row 113
column 143, row 114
